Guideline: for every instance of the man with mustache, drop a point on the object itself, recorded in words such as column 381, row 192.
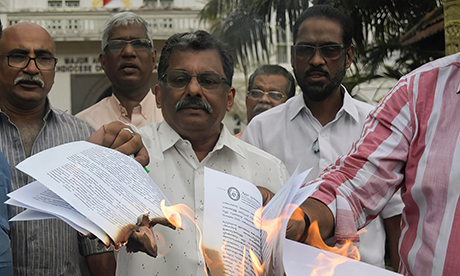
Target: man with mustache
column 128, row 59
column 194, row 93
column 315, row 128
column 269, row 86
column 30, row 124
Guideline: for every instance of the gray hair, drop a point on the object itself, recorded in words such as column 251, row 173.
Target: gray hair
column 124, row 19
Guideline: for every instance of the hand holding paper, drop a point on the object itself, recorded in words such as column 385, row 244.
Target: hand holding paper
column 119, row 136
column 96, row 189
column 139, row 237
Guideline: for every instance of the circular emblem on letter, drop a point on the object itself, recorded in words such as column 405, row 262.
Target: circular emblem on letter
column 233, row 193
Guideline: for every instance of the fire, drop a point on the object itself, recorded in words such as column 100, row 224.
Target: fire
column 272, row 226
column 325, row 264
column 347, row 250
column 258, row 267
column 242, row 262
column 173, row 214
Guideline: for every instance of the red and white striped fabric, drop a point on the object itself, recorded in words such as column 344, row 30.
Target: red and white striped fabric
column 411, row 140
column 115, row 3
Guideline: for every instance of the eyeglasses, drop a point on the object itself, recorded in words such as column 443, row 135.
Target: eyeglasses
column 332, row 51
column 22, row 61
column 180, row 79
column 117, row 45
column 274, row 95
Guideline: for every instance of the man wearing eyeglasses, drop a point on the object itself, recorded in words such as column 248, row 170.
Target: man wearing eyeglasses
column 315, row 128
column 29, row 124
column 194, row 92
column 269, row 86
column 128, row 59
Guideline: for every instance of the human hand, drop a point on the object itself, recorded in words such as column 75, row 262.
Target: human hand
column 309, row 211
column 137, row 237
column 267, row 195
column 140, row 237
column 297, row 226
column 119, row 136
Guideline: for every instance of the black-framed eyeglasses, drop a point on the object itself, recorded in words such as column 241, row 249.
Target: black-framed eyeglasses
column 331, row 51
column 117, row 45
column 180, row 79
column 22, row 61
column 274, row 95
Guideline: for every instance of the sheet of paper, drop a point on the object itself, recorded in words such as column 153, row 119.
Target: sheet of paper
column 302, row 259
column 109, row 188
column 228, row 228
column 31, row 214
column 37, row 197
column 230, row 204
column 281, row 207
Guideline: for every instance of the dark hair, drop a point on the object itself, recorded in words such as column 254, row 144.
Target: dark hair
column 329, row 13
column 1, row 29
column 196, row 41
column 274, row 70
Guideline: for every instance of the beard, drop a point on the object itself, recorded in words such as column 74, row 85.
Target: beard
column 319, row 91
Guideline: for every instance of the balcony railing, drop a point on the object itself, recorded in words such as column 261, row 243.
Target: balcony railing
column 73, row 25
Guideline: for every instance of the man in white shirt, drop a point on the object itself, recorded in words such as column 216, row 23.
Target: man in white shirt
column 315, row 128
column 270, row 85
column 128, row 59
column 194, row 93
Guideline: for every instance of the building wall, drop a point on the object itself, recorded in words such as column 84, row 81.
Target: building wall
column 77, row 31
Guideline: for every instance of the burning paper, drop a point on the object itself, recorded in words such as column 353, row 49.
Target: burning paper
column 302, row 259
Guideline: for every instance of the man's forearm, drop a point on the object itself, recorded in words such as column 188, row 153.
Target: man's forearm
column 318, row 211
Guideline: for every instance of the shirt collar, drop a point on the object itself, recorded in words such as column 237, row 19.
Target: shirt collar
column 170, row 138
column 147, row 102
column 349, row 105
column 49, row 110
column 298, row 104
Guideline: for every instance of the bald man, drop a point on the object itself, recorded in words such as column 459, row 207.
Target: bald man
column 28, row 125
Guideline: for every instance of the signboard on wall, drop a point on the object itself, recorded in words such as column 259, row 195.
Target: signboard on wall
column 78, row 64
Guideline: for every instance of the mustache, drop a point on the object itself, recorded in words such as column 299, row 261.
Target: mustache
column 317, row 70
column 30, row 78
column 195, row 103
column 261, row 107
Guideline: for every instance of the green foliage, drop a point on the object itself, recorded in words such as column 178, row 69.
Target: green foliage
column 378, row 24
column 245, row 25
column 378, row 27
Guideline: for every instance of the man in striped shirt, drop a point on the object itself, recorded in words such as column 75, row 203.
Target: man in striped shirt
column 410, row 141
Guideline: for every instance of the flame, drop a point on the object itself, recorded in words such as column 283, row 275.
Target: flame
column 173, row 214
column 273, row 226
column 258, row 267
column 347, row 249
column 241, row 273
column 324, row 264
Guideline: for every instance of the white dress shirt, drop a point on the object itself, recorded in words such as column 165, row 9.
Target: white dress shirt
column 291, row 133
column 175, row 168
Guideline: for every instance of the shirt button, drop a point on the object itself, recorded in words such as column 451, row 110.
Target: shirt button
column 202, row 207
